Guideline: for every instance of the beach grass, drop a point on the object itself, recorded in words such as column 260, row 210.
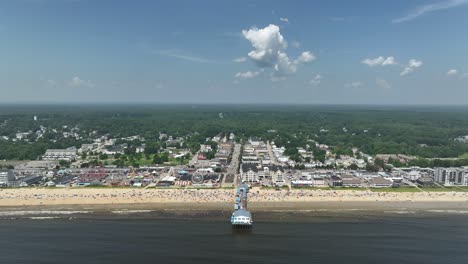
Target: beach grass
column 400, row 189
column 445, row 189
column 346, row 188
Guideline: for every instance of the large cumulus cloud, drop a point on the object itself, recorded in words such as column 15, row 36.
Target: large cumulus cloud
column 269, row 51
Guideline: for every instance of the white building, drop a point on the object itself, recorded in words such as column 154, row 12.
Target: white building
column 60, row 154
column 249, row 173
column 451, row 176
column 6, row 177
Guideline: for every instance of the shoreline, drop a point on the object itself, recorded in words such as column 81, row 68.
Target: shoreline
column 302, row 212
column 108, row 200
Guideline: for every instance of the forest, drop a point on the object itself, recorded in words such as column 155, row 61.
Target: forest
column 425, row 132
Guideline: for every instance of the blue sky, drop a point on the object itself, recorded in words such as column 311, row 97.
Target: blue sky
column 317, row 52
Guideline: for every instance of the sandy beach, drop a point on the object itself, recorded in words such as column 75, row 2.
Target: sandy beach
column 223, row 199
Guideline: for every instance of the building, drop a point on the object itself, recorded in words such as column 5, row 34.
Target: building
column 350, row 181
column 319, row 181
column 335, row 181
column 250, row 158
column 380, row 182
column 451, row 176
column 6, row 177
column 249, row 172
column 60, row 154
column 87, row 147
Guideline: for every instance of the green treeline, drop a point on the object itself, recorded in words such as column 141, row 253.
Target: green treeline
column 423, row 132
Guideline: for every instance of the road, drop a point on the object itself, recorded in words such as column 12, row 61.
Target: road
column 234, row 165
column 272, row 156
column 194, row 159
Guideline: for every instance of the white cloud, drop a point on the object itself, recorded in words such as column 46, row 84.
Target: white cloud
column 305, row 57
column 380, row 61
column 240, row 59
column 270, row 51
column 409, row 68
column 452, row 72
column 267, row 43
column 383, row 83
column 284, row 19
column 457, row 73
column 354, row 84
column 428, row 8
column 316, row 80
column 78, row 82
column 247, row 75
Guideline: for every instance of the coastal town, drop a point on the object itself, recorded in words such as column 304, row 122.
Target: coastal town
column 221, row 162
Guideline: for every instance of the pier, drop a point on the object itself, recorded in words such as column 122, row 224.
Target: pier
column 241, row 218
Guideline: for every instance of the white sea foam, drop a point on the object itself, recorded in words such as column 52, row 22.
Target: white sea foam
column 131, row 211
column 400, row 212
column 40, row 212
column 43, row 217
column 448, row 211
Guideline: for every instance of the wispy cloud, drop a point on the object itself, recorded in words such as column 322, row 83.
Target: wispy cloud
column 452, row 72
column 379, row 61
column 316, row 80
column 296, row 44
column 353, row 84
column 411, row 66
column 247, row 75
column 429, row 8
column 78, row 82
column 383, row 84
column 181, row 55
column 240, row 59
column 174, row 53
column 284, row 19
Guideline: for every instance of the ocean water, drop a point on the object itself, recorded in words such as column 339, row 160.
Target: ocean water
column 286, row 239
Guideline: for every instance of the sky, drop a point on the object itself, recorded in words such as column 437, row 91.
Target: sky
column 252, row 52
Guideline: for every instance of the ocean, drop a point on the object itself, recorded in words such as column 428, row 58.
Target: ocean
column 276, row 238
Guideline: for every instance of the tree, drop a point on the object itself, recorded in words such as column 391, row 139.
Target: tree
column 157, row 159
column 103, row 156
column 165, row 157
column 388, row 168
column 371, row 167
column 152, row 148
column 64, row 164
column 319, row 155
